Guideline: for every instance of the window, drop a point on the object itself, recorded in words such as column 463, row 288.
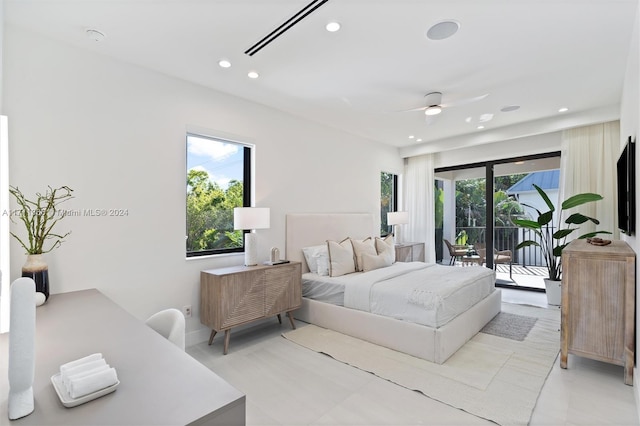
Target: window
column 218, row 179
column 388, row 199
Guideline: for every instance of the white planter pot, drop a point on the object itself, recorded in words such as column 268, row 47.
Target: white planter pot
column 554, row 293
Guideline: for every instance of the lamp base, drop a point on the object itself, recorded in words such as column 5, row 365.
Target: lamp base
column 397, row 235
column 250, row 249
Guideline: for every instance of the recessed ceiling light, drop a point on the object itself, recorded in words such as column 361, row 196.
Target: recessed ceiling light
column 224, row 63
column 95, row 35
column 418, row 140
column 253, row 74
column 333, row 26
column 563, row 109
column 411, row 136
column 510, row 108
column 480, row 127
column 519, row 163
column 443, row 30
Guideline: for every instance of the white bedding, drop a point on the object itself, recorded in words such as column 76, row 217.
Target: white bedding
column 324, row 288
column 428, row 294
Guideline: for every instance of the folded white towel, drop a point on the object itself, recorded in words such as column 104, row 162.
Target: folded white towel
column 67, row 373
column 77, row 362
column 78, row 375
column 93, row 382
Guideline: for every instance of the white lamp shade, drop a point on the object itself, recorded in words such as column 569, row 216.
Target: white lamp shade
column 397, row 218
column 251, row 218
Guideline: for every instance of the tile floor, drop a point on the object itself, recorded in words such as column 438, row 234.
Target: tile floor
column 286, row 384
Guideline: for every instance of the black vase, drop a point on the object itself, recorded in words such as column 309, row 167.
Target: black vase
column 37, row 269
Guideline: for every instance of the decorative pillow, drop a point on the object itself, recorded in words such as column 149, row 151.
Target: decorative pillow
column 322, row 260
column 385, row 246
column 375, row 261
column 367, row 246
column 311, row 255
column 341, row 259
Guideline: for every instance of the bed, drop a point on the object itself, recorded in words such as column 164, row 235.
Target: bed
column 434, row 336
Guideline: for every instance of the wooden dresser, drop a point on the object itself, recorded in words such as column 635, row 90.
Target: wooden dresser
column 410, row 252
column 598, row 304
column 237, row 295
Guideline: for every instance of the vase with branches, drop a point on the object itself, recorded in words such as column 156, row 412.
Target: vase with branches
column 40, row 215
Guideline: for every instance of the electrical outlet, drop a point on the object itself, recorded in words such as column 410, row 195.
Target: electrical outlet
column 186, row 310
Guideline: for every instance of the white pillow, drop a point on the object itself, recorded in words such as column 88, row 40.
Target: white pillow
column 311, row 255
column 341, row 259
column 385, row 246
column 367, row 246
column 371, row 261
column 323, row 264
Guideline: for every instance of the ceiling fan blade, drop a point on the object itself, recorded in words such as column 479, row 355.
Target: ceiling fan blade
column 414, row 109
column 464, row 101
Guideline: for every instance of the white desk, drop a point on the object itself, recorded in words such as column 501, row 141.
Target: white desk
column 159, row 383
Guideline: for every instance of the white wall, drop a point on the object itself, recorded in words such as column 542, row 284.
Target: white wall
column 115, row 133
column 529, row 145
column 629, row 124
column 4, row 198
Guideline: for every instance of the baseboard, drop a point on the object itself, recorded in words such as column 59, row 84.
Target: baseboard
column 197, row 336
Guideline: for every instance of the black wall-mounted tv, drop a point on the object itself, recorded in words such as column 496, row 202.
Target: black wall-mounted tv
column 627, row 188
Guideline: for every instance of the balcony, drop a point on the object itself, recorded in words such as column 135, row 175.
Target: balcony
column 526, row 277
column 528, row 268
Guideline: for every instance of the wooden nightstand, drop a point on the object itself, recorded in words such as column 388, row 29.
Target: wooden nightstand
column 410, row 252
column 237, row 295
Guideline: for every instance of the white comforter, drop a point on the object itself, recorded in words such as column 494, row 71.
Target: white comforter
column 424, row 293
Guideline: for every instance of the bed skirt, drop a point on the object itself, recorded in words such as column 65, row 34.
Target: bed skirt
column 433, row 344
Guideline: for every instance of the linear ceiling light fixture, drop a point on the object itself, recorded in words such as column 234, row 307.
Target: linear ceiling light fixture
column 303, row 13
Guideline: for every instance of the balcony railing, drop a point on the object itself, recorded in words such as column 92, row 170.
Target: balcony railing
column 507, row 238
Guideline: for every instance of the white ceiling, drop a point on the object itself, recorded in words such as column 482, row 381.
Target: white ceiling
column 538, row 54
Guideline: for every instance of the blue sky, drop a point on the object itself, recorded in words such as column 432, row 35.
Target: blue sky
column 222, row 161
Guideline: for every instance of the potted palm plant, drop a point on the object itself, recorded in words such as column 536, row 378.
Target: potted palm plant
column 39, row 216
column 551, row 239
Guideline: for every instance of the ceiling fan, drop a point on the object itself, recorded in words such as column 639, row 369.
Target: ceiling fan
column 434, row 105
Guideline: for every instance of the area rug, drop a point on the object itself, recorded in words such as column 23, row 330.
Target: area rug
column 511, row 326
column 492, row 377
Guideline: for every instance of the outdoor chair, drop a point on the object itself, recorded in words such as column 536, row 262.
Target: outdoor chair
column 499, row 256
column 455, row 251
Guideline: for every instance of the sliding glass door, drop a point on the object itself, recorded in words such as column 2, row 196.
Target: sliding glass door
column 465, row 217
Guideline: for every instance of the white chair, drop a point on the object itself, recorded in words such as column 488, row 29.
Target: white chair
column 170, row 324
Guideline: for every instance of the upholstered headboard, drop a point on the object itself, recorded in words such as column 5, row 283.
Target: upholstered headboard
column 310, row 229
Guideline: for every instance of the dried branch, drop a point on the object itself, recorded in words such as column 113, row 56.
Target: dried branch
column 39, row 216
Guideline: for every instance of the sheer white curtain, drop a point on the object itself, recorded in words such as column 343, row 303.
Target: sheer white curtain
column 588, row 164
column 418, row 201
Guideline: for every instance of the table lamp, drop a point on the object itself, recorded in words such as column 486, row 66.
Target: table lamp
column 250, row 219
column 395, row 219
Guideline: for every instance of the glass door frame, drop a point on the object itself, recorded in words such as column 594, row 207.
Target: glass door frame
column 489, row 189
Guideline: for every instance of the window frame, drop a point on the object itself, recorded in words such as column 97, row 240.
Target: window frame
column 393, row 205
column 247, row 190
